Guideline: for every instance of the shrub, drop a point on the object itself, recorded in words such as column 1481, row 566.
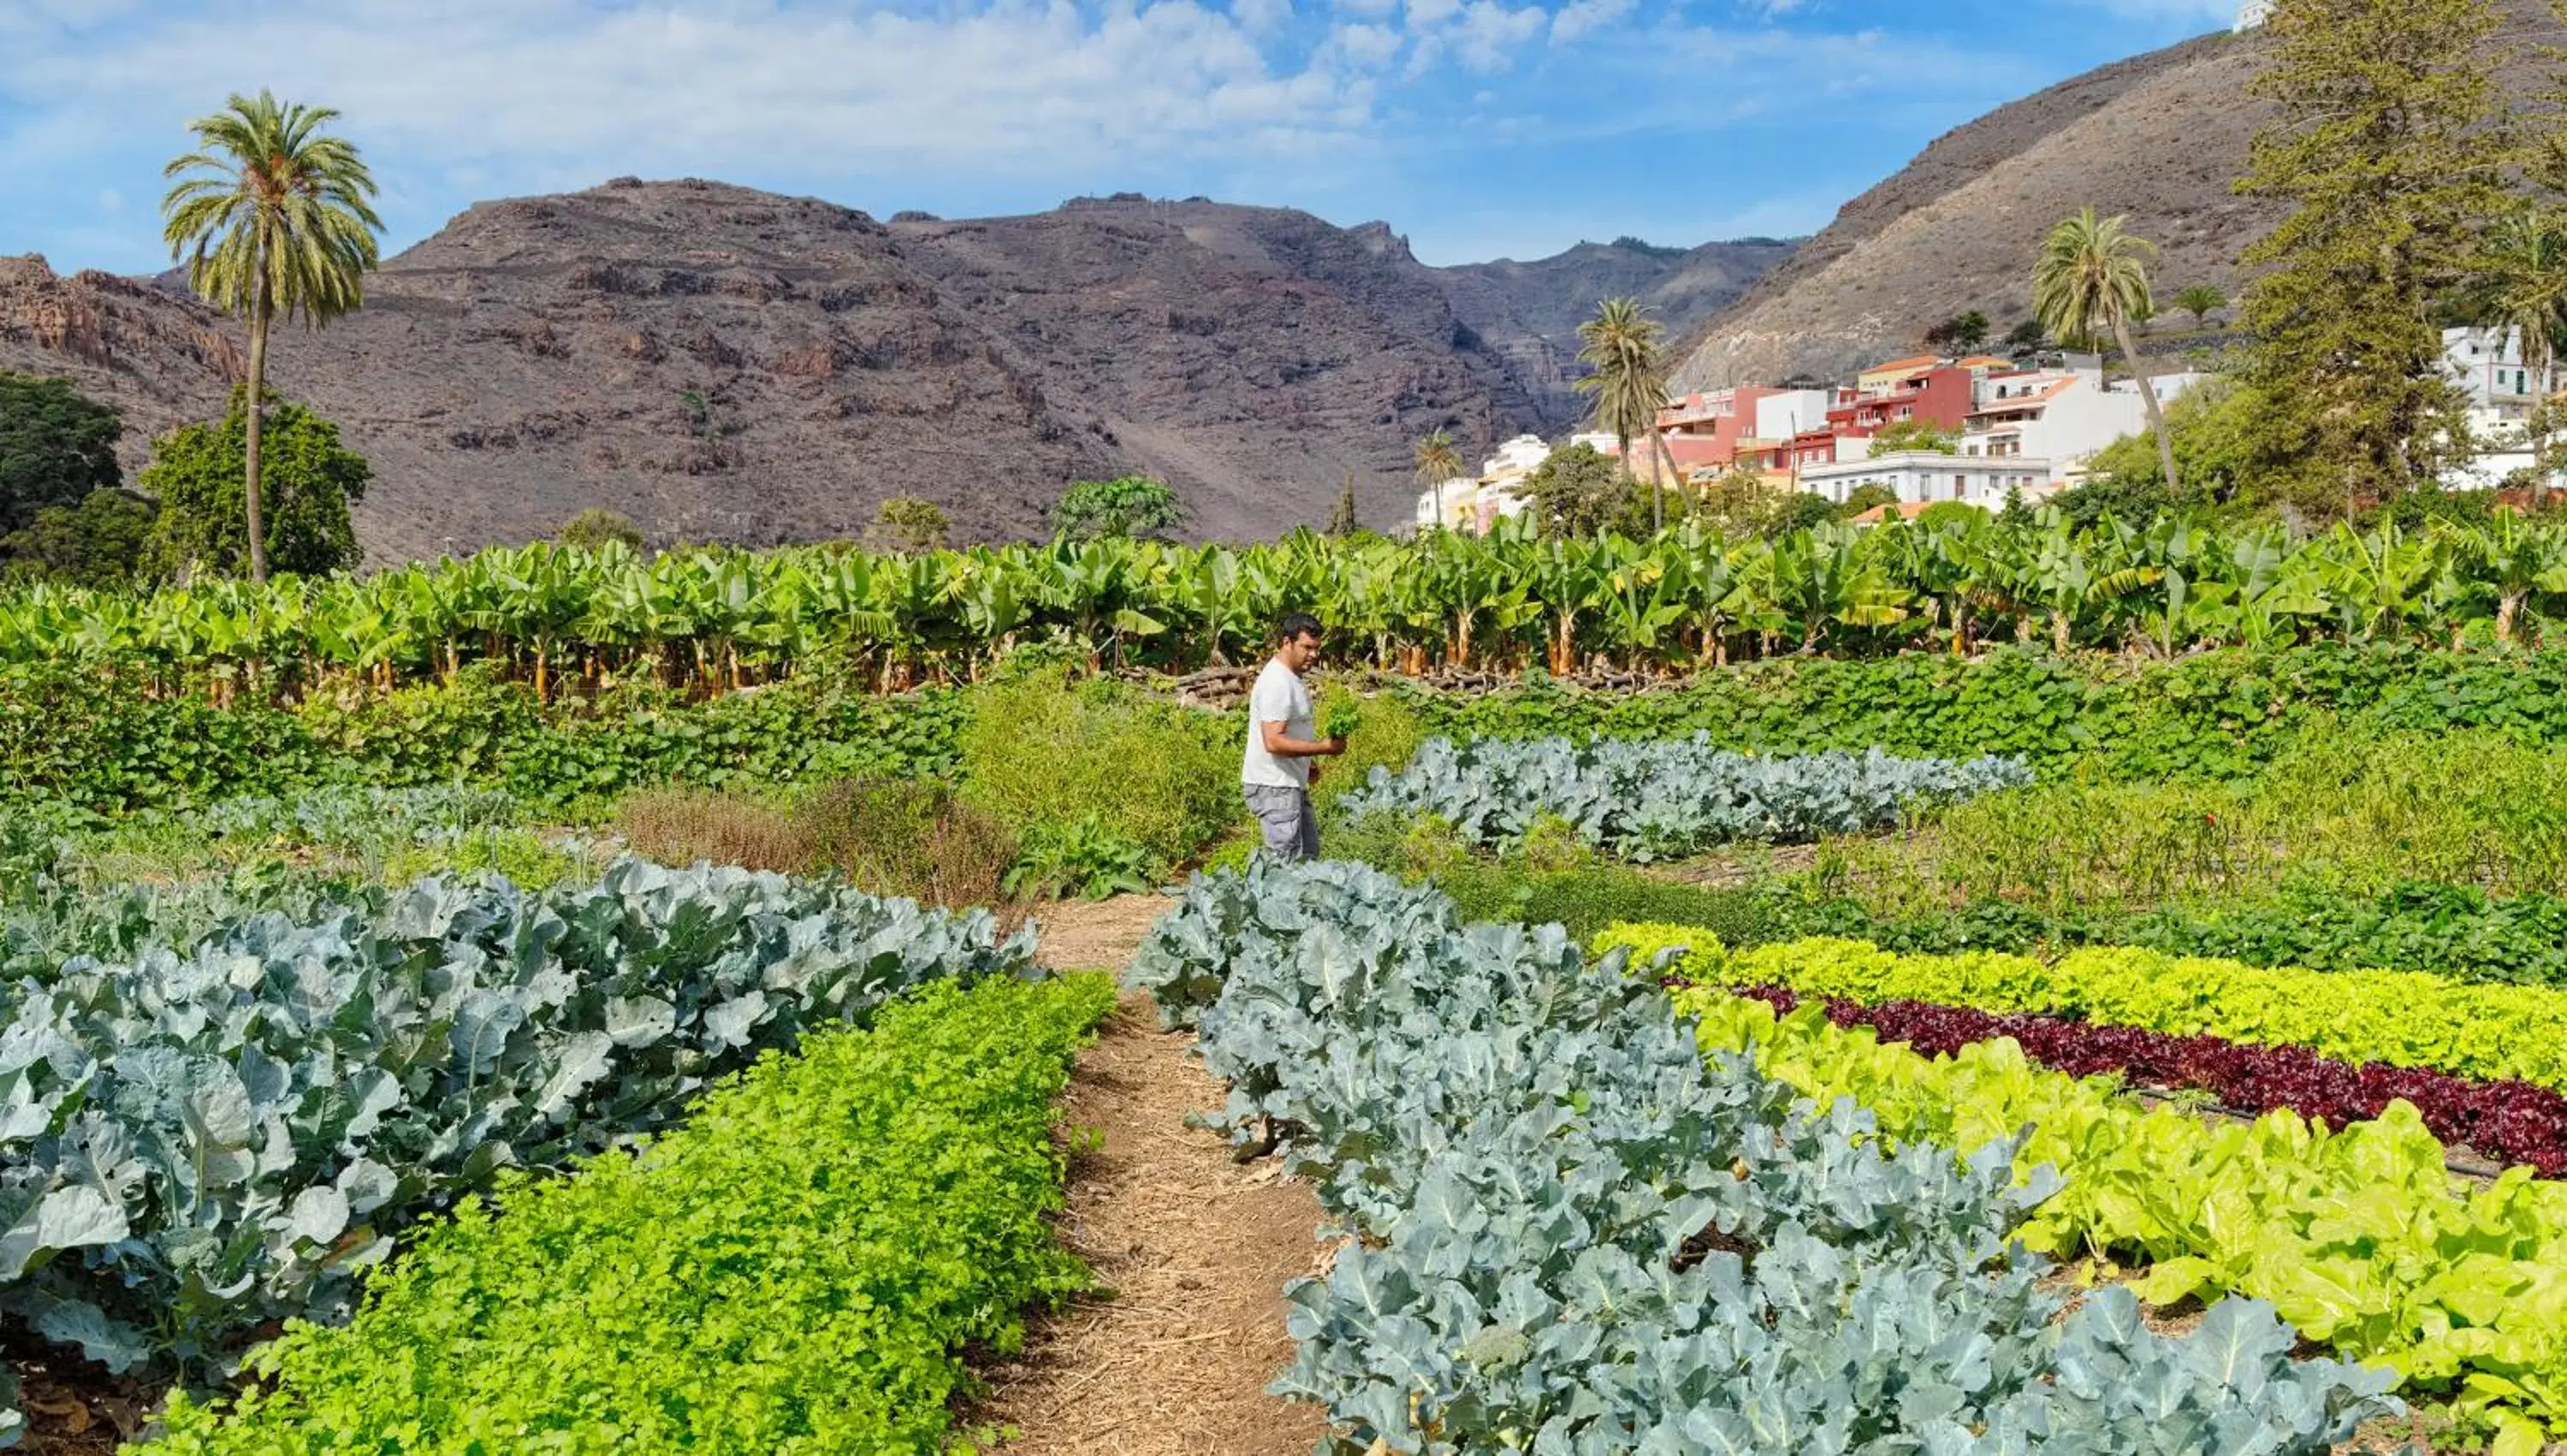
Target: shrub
column 912, row 837
column 1039, row 751
column 597, row 525
column 678, row 825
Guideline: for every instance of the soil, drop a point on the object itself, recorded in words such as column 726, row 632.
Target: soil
column 1193, row 1248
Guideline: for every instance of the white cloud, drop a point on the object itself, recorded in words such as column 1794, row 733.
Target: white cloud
column 1579, row 17
column 1490, row 32
column 1363, row 47
column 519, row 84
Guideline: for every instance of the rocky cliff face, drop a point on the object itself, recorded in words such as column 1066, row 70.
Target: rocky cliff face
column 2160, row 136
column 1530, row 312
column 724, row 363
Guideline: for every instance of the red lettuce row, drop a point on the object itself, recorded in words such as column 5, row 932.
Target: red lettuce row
column 2512, row 1121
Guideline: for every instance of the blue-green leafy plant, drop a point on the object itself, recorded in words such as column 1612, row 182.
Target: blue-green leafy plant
column 1574, row 1237
column 1661, row 800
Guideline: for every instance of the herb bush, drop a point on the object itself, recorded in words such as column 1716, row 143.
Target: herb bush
column 798, row 1269
column 2357, row 815
column 2359, row 1235
column 1041, row 748
column 2456, row 931
column 1572, row 1235
column 226, row 1130
column 104, row 745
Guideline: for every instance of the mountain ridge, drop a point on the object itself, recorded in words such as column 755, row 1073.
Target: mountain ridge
column 720, row 362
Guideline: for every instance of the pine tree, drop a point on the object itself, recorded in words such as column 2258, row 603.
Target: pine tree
column 2389, row 148
column 1342, row 522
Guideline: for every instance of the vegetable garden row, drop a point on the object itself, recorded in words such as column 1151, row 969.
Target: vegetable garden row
column 231, row 1126
column 716, row 620
column 440, row 1120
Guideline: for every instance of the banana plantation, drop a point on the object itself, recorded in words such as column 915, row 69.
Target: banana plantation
column 561, row 619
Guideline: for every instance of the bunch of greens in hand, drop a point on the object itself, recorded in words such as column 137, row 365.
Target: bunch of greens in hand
column 1340, row 719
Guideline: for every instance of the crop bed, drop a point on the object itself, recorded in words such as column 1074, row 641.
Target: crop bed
column 2512, row 1121
column 1660, row 800
column 203, row 1139
column 798, row 1269
column 1575, row 1233
column 2356, row 1232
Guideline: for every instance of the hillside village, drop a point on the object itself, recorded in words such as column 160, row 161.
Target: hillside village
column 2009, row 430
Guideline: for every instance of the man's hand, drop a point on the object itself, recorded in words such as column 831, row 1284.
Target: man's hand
column 1333, row 747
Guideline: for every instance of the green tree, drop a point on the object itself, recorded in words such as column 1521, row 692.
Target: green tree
column 1867, row 496
column 2217, row 447
column 2201, row 300
column 2026, row 337
column 1619, row 347
column 2092, row 279
column 597, row 525
column 1577, row 491
column 2521, row 285
column 57, row 446
column 908, row 524
column 1804, row 510
column 1437, row 462
column 1341, row 521
column 1960, row 334
column 1132, row 506
column 103, row 542
column 198, row 475
column 2386, row 147
column 1915, row 434
column 274, row 218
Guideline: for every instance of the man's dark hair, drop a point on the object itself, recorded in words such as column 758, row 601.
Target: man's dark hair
column 1294, row 624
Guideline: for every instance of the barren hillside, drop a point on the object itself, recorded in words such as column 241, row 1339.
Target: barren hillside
column 724, row 363
column 2160, row 136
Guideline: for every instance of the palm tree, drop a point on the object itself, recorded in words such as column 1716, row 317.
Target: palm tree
column 2523, row 287
column 2201, row 300
column 2094, row 276
column 1620, row 351
column 1437, row 462
column 274, row 221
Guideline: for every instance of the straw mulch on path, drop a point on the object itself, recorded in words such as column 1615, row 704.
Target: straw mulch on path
column 1195, row 1249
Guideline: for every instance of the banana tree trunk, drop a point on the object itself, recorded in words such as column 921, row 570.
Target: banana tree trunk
column 261, row 307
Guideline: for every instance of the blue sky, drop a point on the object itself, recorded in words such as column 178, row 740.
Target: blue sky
column 1479, row 128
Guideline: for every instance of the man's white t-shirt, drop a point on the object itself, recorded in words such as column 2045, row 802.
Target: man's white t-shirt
column 1279, row 697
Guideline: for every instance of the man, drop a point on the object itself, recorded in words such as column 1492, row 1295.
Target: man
column 1281, row 742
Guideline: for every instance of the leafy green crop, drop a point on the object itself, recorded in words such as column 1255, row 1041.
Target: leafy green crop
column 2359, row 1236
column 1574, row 1237
column 1658, row 800
column 1342, row 719
column 226, row 1130
column 799, row 1268
column 2402, row 1018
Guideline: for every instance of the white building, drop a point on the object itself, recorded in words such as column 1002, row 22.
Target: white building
column 2252, row 13
column 2062, row 416
column 1924, row 478
column 2502, row 390
column 1476, row 503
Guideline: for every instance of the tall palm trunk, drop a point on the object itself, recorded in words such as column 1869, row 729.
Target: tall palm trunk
column 261, row 306
column 1667, row 459
column 2148, row 397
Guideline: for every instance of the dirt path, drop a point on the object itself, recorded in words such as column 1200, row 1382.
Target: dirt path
column 1195, row 1248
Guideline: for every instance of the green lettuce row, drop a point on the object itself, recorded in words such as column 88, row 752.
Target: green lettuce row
column 798, row 1269
column 2402, row 1018
column 2358, row 1236
column 1577, row 1238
